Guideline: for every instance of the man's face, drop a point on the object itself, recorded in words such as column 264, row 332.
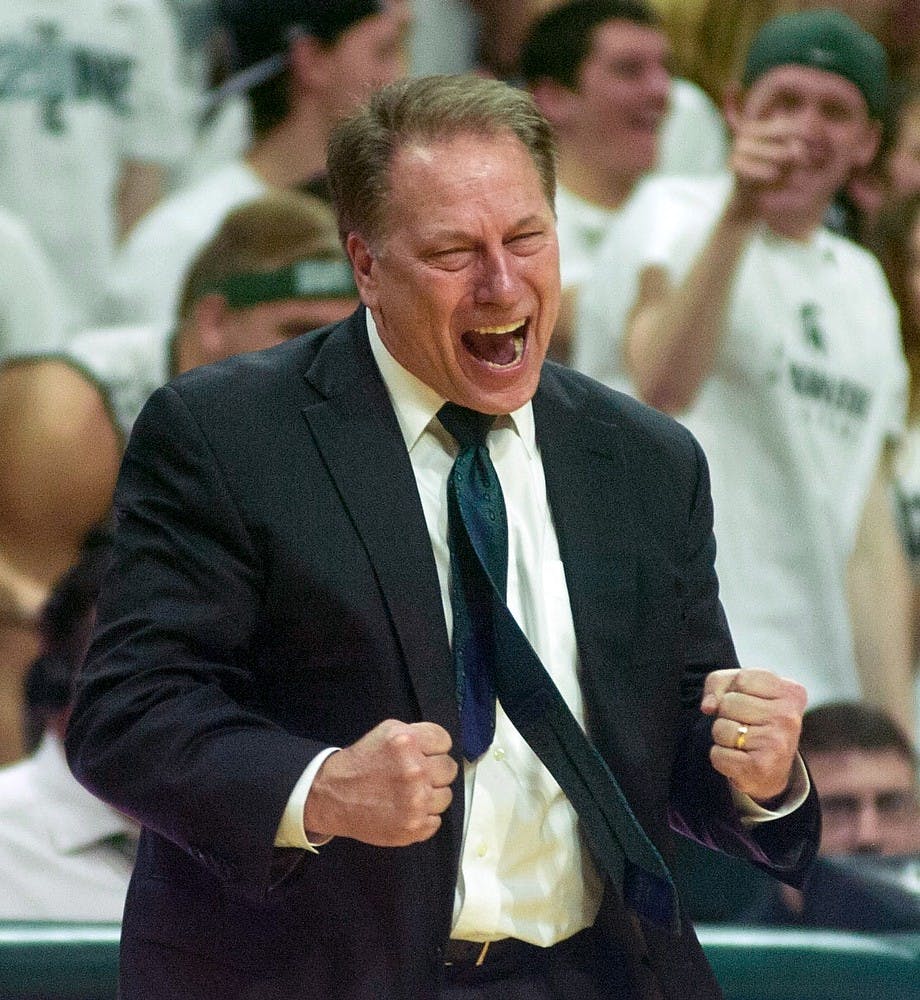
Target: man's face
column 464, row 283
column 868, row 801
column 270, row 323
column 827, row 123
column 622, row 96
column 366, row 57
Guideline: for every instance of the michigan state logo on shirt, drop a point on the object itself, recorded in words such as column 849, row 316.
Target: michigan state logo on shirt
column 809, row 316
column 49, row 70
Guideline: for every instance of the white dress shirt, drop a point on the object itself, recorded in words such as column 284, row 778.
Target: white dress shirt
column 525, row 871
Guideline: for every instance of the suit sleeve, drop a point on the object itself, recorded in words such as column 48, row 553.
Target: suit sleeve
column 166, row 726
column 701, row 803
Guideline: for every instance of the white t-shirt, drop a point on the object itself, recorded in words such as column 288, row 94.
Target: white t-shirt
column 694, row 138
column 126, row 364
column 152, row 264
column 581, row 226
column 31, row 312
column 84, row 87
column 808, row 384
column 56, row 852
column 692, row 142
column 608, row 276
column 444, row 37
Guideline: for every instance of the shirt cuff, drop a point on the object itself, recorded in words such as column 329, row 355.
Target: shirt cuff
column 752, row 813
column 290, row 832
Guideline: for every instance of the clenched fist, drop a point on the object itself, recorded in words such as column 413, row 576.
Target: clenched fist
column 757, row 720
column 388, row 789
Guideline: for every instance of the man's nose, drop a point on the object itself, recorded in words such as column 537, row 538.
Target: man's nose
column 868, row 839
column 658, row 84
column 496, row 281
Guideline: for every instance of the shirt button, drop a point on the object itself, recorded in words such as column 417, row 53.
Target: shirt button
column 482, row 850
column 498, row 753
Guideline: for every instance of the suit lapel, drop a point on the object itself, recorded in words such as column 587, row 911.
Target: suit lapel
column 356, row 432
column 587, row 487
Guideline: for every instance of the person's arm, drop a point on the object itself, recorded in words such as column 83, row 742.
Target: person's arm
column 168, row 725
column 674, row 332
column 879, row 592
column 140, row 187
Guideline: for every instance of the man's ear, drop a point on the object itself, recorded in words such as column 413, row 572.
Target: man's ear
column 732, row 105
column 867, row 148
column 364, row 263
column 210, row 316
column 555, row 101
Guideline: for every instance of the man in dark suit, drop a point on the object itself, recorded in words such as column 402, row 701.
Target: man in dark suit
column 281, row 590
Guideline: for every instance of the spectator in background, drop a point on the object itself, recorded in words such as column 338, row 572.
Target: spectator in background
column 64, row 854
column 221, row 129
column 31, row 318
column 865, row 772
column 302, row 64
column 711, row 38
column 598, row 70
column 275, row 269
column 902, row 162
column 92, row 116
column 776, row 342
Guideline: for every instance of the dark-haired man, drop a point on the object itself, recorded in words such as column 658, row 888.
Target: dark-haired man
column 599, row 70
column 865, row 773
column 293, row 682
column 301, row 64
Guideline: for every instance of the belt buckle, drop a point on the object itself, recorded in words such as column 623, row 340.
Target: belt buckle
column 480, row 958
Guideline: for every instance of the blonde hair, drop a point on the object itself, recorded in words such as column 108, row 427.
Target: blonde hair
column 278, row 229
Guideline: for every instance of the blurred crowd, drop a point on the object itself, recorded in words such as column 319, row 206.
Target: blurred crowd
column 739, row 224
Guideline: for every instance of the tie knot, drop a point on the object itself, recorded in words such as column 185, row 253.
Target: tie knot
column 468, row 427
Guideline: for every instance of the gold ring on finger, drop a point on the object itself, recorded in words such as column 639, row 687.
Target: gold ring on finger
column 741, row 736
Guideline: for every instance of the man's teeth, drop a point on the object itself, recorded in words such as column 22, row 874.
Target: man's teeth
column 497, row 346
column 507, row 328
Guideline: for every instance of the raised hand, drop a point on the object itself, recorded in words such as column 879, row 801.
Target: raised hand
column 757, row 718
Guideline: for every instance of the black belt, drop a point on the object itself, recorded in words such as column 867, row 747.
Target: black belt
column 505, row 953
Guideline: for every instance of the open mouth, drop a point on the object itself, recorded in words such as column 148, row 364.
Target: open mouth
column 497, row 346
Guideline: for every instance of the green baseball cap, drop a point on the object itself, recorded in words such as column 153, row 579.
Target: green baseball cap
column 306, row 279
column 826, row 40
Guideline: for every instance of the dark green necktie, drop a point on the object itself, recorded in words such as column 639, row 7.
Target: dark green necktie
column 491, row 653
column 478, row 541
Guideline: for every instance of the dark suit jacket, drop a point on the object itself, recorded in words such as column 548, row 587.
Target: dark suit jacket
column 274, row 592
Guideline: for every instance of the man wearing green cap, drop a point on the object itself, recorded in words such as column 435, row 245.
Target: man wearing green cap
column 777, row 343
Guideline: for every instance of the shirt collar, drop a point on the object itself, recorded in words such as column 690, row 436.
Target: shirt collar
column 416, row 403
